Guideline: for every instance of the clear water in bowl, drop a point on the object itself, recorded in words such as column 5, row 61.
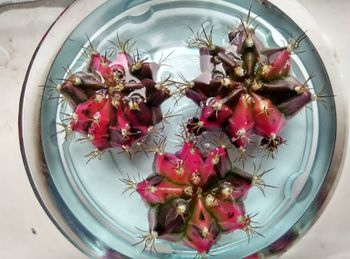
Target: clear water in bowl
column 93, row 192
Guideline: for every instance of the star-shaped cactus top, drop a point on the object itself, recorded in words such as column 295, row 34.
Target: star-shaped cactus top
column 195, row 196
column 245, row 88
column 116, row 102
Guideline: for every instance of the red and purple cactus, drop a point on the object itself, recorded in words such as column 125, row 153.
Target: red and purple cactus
column 195, row 196
column 245, row 89
column 116, row 103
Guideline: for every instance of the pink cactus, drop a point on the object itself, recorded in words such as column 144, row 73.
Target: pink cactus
column 195, row 196
column 116, row 102
column 245, row 89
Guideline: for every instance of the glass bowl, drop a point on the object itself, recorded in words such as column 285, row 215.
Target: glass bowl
column 86, row 201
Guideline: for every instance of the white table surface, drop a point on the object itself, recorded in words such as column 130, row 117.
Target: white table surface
column 26, row 231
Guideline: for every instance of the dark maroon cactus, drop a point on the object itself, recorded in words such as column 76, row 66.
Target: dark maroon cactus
column 295, row 104
column 281, row 90
column 106, row 101
column 143, row 70
column 80, row 87
column 245, row 89
column 169, row 219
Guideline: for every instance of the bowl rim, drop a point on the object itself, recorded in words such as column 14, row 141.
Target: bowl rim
column 38, row 178
column 36, row 169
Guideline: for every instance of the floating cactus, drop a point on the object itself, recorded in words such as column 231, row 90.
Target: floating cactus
column 195, row 196
column 116, row 103
column 245, row 89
